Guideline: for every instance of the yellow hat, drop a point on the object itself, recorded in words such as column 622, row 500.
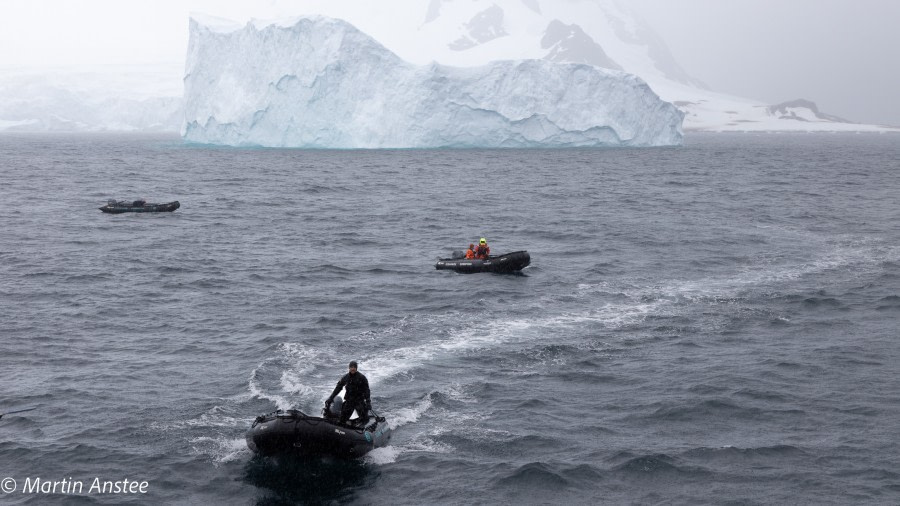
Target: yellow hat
column 483, row 241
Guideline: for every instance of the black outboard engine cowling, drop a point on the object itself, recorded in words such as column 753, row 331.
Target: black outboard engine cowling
column 335, row 408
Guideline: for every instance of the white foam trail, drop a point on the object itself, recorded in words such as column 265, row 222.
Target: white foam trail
column 610, row 315
column 473, row 337
column 844, row 253
column 762, row 275
column 404, row 416
column 257, row 391
column 399, row 418
column 398, row 327
column 389, row 454
column 425, row 446
column 291, row 383
column 215, row 417
column 209, row 421
column 295, row 360
column 458, row 393
column 220, row 449
column 381, row 456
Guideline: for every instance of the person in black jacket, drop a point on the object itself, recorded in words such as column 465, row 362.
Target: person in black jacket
column 357, row 397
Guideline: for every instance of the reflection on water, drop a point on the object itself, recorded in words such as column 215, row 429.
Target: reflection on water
column 306, row 480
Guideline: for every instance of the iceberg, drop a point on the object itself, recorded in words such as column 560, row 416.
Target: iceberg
column 318, row 82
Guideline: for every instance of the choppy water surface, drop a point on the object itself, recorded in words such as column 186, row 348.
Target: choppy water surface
column 716, row 323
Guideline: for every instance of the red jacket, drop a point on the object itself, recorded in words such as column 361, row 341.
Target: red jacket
column 482, row 251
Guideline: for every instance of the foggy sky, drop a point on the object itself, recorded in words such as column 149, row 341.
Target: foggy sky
column 842, row 54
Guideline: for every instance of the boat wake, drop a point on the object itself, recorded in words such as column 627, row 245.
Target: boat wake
column 299, row 375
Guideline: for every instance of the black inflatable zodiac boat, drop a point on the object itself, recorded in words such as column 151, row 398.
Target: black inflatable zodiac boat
column 138, row 206
column 506, row 263
column 293, row 432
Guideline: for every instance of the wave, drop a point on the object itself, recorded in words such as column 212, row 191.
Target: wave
column 752, row 453
column 534, row 475
column 716, row 409
column 829, row 303
column 889, row 303
column 330, row 269
column 765, row 395
column 651, row 463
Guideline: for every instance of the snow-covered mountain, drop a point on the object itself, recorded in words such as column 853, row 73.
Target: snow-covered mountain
column 100, row 98
column 320, row 82
column 606, row 33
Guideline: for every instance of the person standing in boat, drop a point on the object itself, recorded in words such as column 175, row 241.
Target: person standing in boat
column 470, row 253
column 483, row 250
column 357, row 397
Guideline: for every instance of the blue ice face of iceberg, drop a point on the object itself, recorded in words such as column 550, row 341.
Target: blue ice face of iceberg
column 321, row 83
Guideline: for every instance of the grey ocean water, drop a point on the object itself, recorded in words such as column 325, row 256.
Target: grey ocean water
column 710, row 324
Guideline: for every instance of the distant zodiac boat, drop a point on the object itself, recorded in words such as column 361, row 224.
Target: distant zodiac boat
column 504, row 264
column 138, row 206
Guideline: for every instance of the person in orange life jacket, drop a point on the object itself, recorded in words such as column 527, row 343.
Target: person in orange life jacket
column 357, row 397
column 470, row 253
column 482, row 251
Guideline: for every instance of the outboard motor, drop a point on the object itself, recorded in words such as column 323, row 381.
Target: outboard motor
column 456, row 255
column 335, row 411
